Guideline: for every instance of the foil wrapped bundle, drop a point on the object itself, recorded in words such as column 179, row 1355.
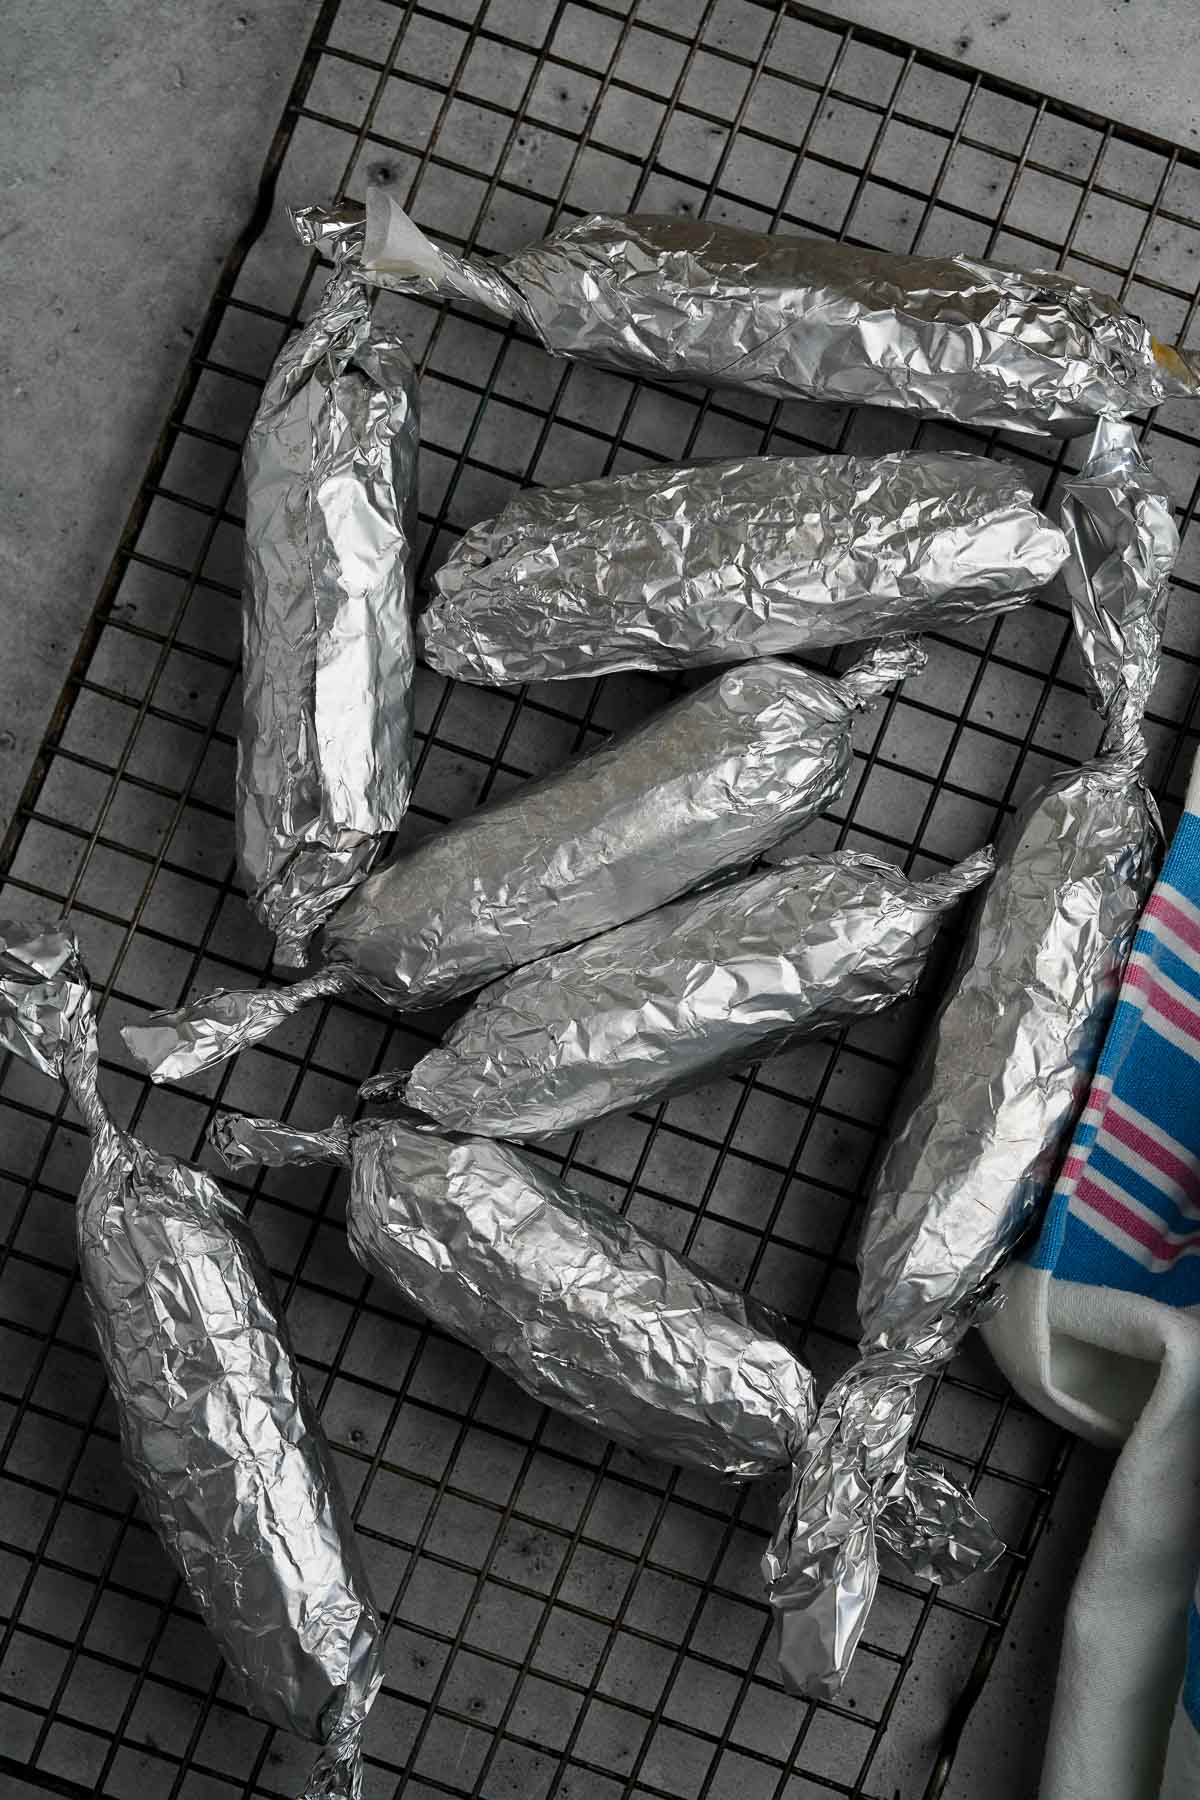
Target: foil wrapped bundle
column 586, row 1313
column 988, row 1111
column 711, row 781
column 218, row 1432
column 721, row 562
column 707, row 984
column 691, row 300
column 572, row 1302
column 325, row 745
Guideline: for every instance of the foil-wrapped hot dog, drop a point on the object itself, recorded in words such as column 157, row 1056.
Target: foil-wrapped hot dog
column 691, row 300
column 710, row 983
column 570, row 1300
column 713, row 780
column 588, row 1314
column 217, row 1429
column 719, row 562
column 325, row 745
column 990, row 1106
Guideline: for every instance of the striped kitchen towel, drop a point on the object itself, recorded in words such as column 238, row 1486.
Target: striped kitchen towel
column 1101, row 1331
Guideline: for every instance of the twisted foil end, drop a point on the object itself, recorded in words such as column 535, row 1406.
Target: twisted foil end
column 45, row 996
column 389, row 1085
column 337, row 1772
column 336, row 230
column 821, row 1567
column 949, row 886
column 397, row 255
column 891, row 660
column 181, row 1041
column 934, row 1529
column 243, row 1142
column 48, row 1011
column 855, row 1490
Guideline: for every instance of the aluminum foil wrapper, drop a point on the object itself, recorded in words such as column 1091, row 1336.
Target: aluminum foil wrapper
column 722, row 562
column 576, row 1305
column 708, row 984
column 710, row 782
column 988, row 1112
column 691, row 300
column 325, row 746
column 586, row 1313
column 218, row 1432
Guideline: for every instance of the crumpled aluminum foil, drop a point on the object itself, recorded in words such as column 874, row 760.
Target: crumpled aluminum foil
column 588, row 1314
column 990, row 1106
column 711, row 781
column 566, row 1297
column 217, row 1429
column 710, row 983
column 691, row 300
column 721, row 562
column 325, row 745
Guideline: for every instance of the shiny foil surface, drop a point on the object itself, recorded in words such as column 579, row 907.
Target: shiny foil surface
column 325, row 745
column 576, row 1305
column 711, row 781
column 673, row 568
column 710, row 983
column 990, row 1106
column 692, row 300
column 218, row 1432
column 589, row 1315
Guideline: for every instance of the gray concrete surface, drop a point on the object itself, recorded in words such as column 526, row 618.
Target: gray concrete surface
column 1131, row 60
column 131, row 134
column 131, row 137
column 1001, row 1753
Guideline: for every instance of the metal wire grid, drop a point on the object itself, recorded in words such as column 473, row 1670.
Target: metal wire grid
column 565, row 1620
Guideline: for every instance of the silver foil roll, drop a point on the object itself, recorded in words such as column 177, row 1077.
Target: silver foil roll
column 989, row 1109
column 670, row 568
column 692, row 300
column 710, row 983
column 325, row 745
column 709, row 782
column 218, row 1432
column 564, row 1295
column 586, row 1313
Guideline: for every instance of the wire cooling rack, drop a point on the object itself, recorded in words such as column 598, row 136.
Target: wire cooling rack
column 566, row 1622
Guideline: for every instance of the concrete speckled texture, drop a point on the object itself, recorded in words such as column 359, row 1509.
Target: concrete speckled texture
column 131, row 137
column 1129, row 60
column 132, row 133
column 1001, row 1752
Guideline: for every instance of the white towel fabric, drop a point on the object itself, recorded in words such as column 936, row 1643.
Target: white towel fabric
column 1116, row 1367
column 1101, row 1332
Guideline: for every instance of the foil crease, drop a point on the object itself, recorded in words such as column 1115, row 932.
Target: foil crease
column 674, row 568
column 989, row 1108
column 218, row 1432
column 708, row 984
column 325, row 745
column 711, row 781
column 692, row 300
column 586, row 1313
